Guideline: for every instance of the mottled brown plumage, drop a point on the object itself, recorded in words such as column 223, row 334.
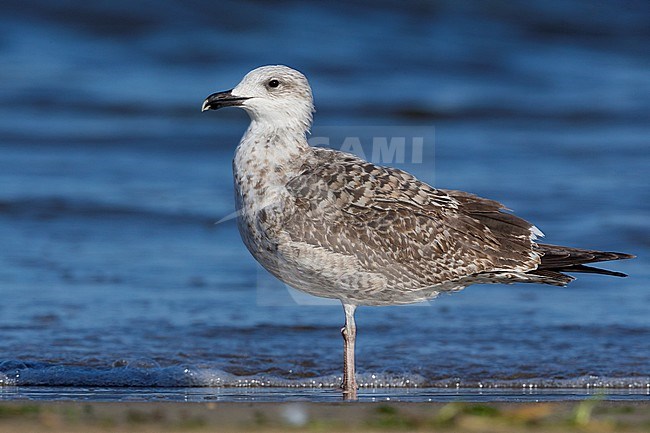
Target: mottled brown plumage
column 334, row 225
column 412, row 239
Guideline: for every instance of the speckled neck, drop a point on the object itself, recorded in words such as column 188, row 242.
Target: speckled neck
column 272, row 148
column 266, row 158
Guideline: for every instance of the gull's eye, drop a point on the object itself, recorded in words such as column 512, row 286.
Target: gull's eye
column 274, row 83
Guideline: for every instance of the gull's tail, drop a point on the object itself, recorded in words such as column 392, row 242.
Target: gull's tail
column 557, row 259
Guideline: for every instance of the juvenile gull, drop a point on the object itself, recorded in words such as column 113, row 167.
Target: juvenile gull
column 333, row 225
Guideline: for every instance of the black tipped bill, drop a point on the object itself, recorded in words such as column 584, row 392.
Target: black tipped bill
column 222, row 99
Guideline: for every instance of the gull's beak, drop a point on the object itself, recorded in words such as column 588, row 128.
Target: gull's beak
column 222, row 99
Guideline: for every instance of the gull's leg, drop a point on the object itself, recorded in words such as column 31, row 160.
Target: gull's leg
column 349, row 332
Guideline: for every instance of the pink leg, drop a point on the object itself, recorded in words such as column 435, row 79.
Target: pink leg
column 349, row 332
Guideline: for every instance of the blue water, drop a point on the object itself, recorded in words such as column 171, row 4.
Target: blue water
column 114, row 273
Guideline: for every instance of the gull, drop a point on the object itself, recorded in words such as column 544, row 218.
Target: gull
column 336, row 226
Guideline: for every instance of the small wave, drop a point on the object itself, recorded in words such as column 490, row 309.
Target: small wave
column 429, row 114
column 147, row 373
column 122, row 374
column 55, row 207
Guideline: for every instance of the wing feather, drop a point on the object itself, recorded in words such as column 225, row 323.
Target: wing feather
column 414, row 234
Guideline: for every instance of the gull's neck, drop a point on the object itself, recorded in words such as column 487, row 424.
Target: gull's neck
column 267, row 157
column 273, row 147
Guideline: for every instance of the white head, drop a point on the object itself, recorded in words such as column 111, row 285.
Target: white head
column 277, row 96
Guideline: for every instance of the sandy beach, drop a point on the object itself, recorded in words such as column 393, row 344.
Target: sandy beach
column 589, row 415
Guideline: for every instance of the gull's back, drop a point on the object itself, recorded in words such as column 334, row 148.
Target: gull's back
column 378, row 235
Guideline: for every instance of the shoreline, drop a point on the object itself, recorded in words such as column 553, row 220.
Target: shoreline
column 317, row 395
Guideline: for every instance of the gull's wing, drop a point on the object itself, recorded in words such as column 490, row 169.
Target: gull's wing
column 392, row 223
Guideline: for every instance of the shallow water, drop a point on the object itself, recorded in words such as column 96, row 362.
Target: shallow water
column 202, row 395
column 114, row 274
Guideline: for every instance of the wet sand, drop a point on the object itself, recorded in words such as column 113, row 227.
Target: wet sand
column 589, row 415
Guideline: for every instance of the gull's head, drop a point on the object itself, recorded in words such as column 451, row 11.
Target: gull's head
column 277, row 95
